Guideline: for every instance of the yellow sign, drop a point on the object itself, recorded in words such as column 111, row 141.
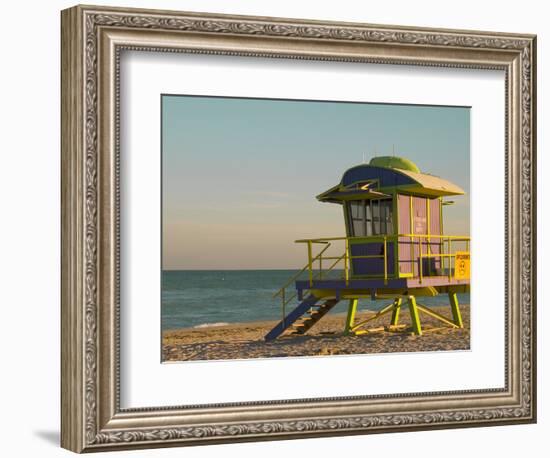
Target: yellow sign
column 462, row 265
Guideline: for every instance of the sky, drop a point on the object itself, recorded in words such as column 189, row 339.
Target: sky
column 240, row 176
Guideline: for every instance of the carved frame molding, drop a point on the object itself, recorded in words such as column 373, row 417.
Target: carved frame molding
column 92, row 40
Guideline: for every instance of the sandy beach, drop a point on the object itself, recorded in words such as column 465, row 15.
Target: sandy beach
column 245, row 340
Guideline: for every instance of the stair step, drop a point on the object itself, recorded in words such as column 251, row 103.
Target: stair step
column 304, row 319
column 311, row 313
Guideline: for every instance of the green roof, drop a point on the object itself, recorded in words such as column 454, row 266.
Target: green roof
column 394, row 162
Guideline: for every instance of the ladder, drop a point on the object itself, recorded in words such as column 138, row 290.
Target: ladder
column 300, row 320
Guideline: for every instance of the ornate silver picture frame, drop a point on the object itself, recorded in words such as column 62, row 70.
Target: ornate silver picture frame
column 93, row 39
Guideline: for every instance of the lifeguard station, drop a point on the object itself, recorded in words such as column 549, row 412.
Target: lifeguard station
column 395, row 249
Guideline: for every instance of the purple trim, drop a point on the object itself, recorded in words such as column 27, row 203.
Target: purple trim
column 378, row 283
column 387, row 177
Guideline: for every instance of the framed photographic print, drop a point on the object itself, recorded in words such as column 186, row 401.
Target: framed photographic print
column 278, row 228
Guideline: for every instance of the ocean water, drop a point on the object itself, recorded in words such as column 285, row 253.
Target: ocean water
column 195, row 298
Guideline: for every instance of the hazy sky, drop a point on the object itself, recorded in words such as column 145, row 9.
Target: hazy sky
column 240, row 176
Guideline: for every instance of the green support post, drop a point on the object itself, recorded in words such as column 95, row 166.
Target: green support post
column 395, row 313
column 350, row 319
column 415, row 319
column 457, row 317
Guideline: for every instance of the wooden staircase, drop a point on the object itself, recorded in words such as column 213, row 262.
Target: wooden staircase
column 312, row 317
column 302, row 318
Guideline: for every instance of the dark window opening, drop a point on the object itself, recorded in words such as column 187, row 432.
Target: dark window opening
column 370, row 217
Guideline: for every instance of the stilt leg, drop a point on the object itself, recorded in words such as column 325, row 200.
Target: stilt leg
column 457, row 317
column 415, row 319
column 395, row 313
column 350, row 320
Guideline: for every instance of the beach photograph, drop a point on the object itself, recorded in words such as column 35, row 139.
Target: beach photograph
column 300, row 228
